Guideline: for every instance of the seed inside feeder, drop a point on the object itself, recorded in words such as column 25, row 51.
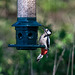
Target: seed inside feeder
column 26, row 8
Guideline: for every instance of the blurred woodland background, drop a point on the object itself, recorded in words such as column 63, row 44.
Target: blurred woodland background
column 57, row 15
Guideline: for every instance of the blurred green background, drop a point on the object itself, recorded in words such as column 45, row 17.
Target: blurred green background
column 57, row 15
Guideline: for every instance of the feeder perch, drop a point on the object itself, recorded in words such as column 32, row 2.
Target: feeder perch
column 26, row 26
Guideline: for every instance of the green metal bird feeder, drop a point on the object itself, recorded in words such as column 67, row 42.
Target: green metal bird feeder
column 26, row 26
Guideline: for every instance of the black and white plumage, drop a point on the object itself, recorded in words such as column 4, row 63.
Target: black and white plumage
column 44, row 40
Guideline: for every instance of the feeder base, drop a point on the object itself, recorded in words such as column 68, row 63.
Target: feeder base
column 26, row 47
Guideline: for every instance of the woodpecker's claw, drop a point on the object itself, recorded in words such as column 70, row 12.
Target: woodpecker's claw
column 46, row 55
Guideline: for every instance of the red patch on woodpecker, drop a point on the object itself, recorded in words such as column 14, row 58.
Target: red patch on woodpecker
column 44, row 51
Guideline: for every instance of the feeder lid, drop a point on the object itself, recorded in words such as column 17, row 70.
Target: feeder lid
column 26, row 22
column 22, row 23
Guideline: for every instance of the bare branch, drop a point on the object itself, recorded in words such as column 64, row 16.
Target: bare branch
column 55, row 61
column 60, row 58
column 69, row 63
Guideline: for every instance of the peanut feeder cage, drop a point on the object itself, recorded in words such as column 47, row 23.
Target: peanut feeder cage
column 26, row 26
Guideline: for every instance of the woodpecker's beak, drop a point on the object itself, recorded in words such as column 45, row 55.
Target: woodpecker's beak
column 43, row 28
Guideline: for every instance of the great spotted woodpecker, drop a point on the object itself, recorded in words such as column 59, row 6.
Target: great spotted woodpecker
column 44, row 40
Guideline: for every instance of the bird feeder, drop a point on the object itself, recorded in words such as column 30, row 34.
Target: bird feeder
column 26, row 26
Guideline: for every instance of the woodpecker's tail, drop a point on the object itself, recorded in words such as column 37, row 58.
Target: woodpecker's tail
column 39, row 57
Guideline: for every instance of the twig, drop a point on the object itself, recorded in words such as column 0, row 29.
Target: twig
column 55, row 61
column 69, row 63
column 73, row 52
column 60, row 58
column 16, row 69
column 72, row 61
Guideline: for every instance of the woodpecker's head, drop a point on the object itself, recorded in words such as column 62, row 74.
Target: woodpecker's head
column 47, row 32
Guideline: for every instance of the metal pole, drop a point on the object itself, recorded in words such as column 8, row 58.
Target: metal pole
column 31, row 62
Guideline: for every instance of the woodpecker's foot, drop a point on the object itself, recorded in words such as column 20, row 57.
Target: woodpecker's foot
column 39, row 57
column 46, row 55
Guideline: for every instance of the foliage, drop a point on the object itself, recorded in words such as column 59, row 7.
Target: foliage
column 52, row 5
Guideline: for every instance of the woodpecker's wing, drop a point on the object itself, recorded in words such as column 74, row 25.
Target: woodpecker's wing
column 48, row 45
column 48, row 42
